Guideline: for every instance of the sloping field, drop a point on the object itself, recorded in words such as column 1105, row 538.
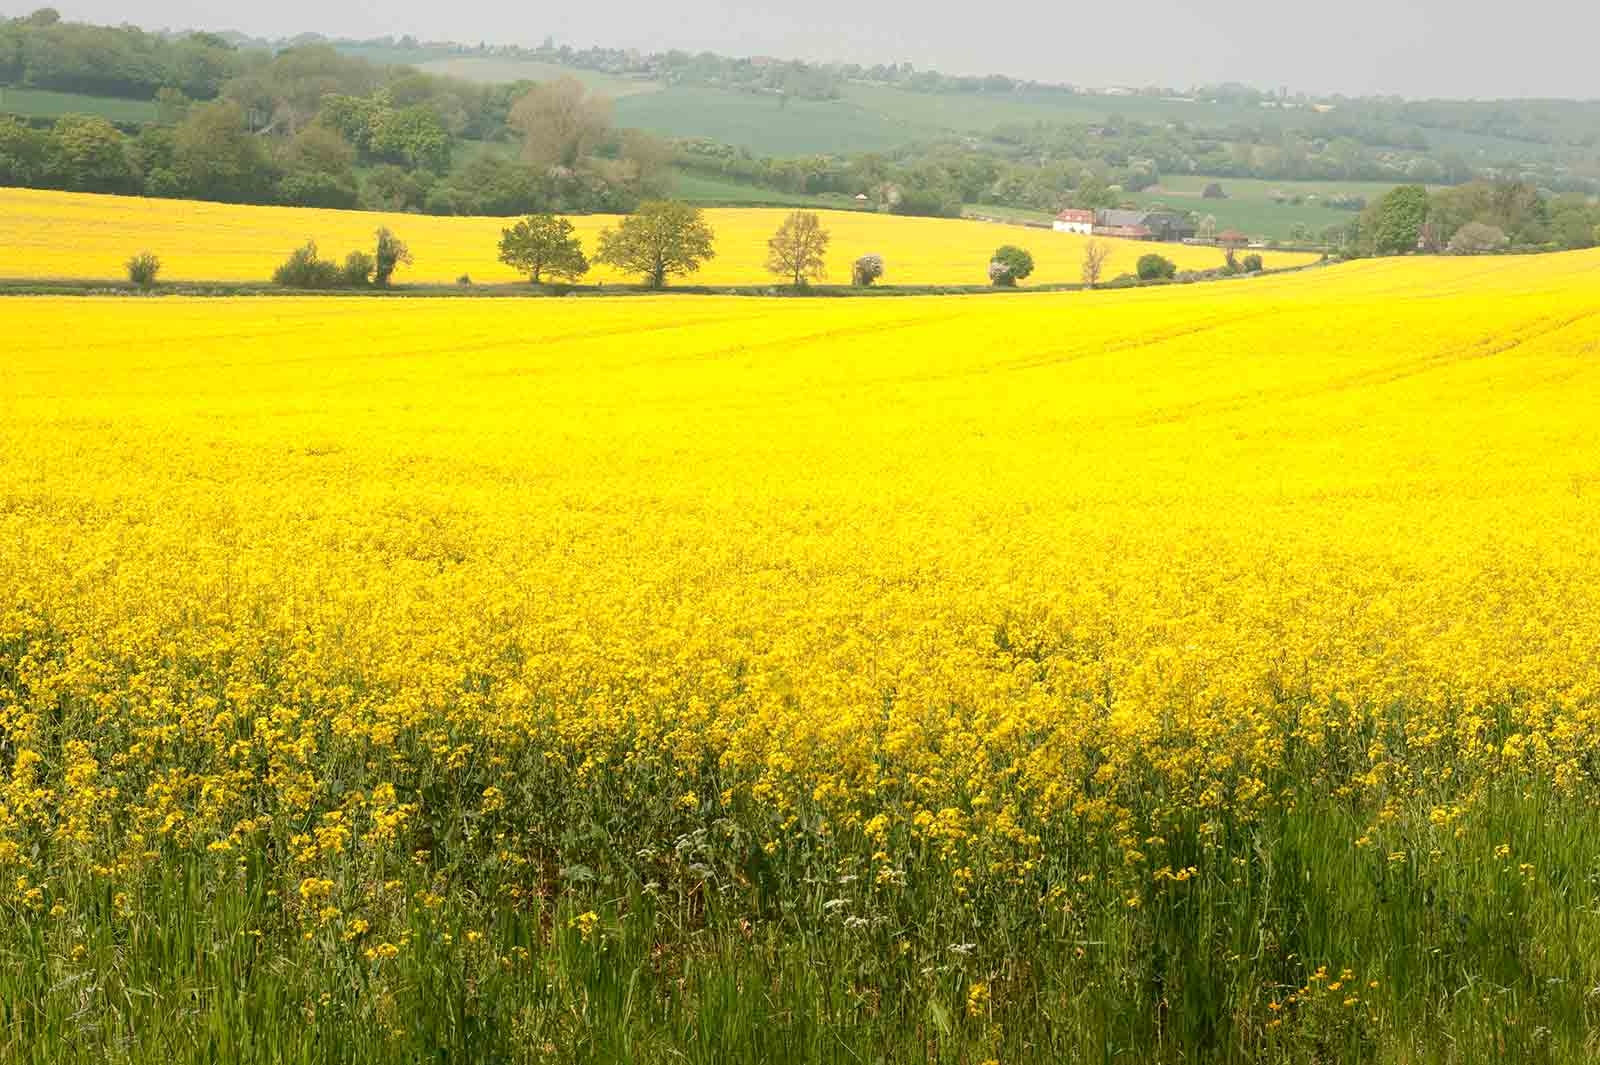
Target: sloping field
column 54, row 234
column 1208, row 671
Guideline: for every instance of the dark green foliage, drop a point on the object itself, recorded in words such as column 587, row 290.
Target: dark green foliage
column 1153, row 267
column 1393, row 225
column 357, row 270
column 543, row 244
column 1251, row 264
column 303, row 269
column 1009, row 265
column 87, row 154
column 662, row 240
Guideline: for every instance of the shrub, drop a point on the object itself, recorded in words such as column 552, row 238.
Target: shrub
column 304, row 270
column 143, row 268
column 1155, row 267
column 1213, row 191
column 1251, row 264
column 465, row 280
column 1009, row 265
column 357, row 271
column 867, row 270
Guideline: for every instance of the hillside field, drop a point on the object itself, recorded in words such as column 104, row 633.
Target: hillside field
column 1196, row 674
column 69, row 235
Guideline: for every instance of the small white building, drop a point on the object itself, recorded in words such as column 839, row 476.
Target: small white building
column 1074, row 221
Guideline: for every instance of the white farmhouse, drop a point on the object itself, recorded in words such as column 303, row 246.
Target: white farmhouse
column 1074, row 221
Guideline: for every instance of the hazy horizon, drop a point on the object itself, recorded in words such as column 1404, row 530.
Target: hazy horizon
column 1428, row 49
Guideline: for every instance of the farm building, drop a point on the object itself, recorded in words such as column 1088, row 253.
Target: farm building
column 1074, row 221
column 1155, row 225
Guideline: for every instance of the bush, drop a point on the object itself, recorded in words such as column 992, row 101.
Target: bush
column 465, row 280
column 357, row 272
column 1009, row 265
column 1213, row 191
column 317, row 190
column 1251, row 264
column 143, row 268
column 304, row 270
column 1155, row 267
column 866, row 271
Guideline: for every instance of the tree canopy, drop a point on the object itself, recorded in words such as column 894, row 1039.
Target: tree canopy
column 798, row 251
column 543, row 244
column 662, row 240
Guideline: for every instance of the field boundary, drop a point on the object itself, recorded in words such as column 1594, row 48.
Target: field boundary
column 523, row 290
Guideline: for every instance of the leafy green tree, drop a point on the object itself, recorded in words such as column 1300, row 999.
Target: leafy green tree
column 663, row 239
column 799, row 250
column 216, row 158
column 543, row 244
column 1252, row 264
column 390, row 254
column 1394, row 223
column 1009, row 265
column 1153, row 267
column 24, row 153
column 357, row 270
column 87, row 154
column 415, row 136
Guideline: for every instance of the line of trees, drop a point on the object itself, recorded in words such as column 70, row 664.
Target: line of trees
column 1471, row 219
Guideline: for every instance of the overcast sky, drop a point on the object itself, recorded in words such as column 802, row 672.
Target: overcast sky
column 1410, row 47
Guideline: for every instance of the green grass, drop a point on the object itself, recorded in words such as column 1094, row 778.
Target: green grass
column 488, row 71
column 612, row 943
column 1250, row 208
column 41, row 103
column 764, row 124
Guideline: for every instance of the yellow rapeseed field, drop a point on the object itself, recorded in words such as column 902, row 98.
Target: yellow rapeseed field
column 72, row 235
column 1053, row 596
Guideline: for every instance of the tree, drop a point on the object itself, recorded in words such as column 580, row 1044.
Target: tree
column 1395, row 221
column 799, row 249
column 1155, row 267
column 663, row 239
column 1213, row 191
column 866, row 271
column 1009, row 265
column 357, row 270
column 87, row 154
column 24, row 153
column 1252, row 264
column 216, row 158
column 142, row 270
column 390, row 254
column 1095, row 254
column 560, row 121
column 541, row 244
column 1478, row 238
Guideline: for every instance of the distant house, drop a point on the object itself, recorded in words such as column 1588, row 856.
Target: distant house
column 1074, row 221
column 1143, row 225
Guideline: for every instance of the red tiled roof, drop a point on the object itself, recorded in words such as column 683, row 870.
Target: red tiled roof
column 1072, row 214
